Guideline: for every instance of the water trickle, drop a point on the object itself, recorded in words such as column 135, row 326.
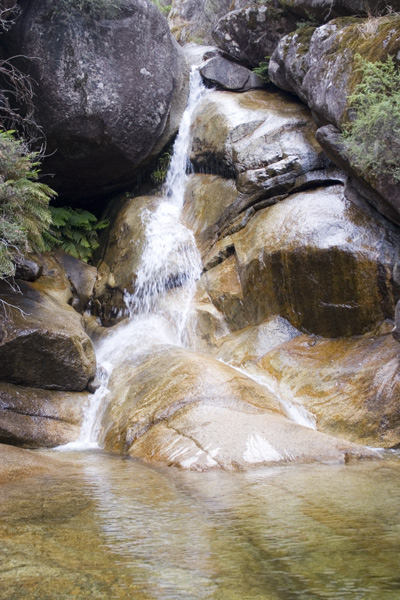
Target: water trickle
column 165, row 282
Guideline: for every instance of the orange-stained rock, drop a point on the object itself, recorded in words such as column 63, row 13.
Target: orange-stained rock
column 351, row 385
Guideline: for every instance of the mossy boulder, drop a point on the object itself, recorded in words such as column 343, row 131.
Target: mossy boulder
column 319, row 64
column 323, row 10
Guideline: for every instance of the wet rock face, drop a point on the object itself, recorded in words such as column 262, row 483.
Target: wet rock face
column 351, row 385
column 111, row 90
column 318, row 261
column 252, row 33
column 187, row 410
column 121, row 258
column 263, row 139
column 313, row 257
column 43, row 343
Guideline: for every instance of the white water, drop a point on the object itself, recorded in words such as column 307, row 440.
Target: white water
column 170, row 265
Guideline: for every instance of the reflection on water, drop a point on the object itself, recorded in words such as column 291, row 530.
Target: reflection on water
column 111, row 527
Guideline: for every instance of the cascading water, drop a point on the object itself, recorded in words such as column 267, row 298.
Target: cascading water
column 170, row 266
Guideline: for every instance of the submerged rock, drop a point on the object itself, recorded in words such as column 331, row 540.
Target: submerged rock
column 112, row 86
column 16, row 462
column 351, row 385
column 37, row 418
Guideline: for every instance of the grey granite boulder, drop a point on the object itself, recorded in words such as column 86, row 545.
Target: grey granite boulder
column 111, row 88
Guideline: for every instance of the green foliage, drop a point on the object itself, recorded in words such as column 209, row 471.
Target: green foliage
column 262, row 70
column 24, row 202
column 308, row 22
column 159, row 174
column 372, row 138
column 73, row 230
column 165, row 9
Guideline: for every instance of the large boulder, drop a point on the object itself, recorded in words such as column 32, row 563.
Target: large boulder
column 111, row 88
column 42, row 339
column 188, row 410
column 225, row 74
column 251, row 34
column 319, row 261
column 316, row 258
column 351, row 385
column 37, row 418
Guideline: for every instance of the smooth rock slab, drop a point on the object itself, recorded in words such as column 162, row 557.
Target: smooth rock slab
column 191, row 411
column 351, row 385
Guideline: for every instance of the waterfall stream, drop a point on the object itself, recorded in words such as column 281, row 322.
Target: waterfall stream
column 170, row 265
column 159, row 308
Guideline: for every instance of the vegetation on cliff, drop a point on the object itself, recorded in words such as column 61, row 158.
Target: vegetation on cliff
column 372, row 138
column 24, row 202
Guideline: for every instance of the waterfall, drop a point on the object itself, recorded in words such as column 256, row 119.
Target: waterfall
column 170, row 266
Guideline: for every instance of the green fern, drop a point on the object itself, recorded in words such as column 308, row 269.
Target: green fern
column 75, row 231
column 24, row 202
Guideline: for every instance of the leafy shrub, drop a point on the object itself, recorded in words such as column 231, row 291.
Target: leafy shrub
column 262, row 70
column 24, row 202
column 74, row 230
column 165, row 9
column 372, row 138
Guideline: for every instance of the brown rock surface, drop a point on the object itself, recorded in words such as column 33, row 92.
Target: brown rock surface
column 351, row 385
column 191, row 411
